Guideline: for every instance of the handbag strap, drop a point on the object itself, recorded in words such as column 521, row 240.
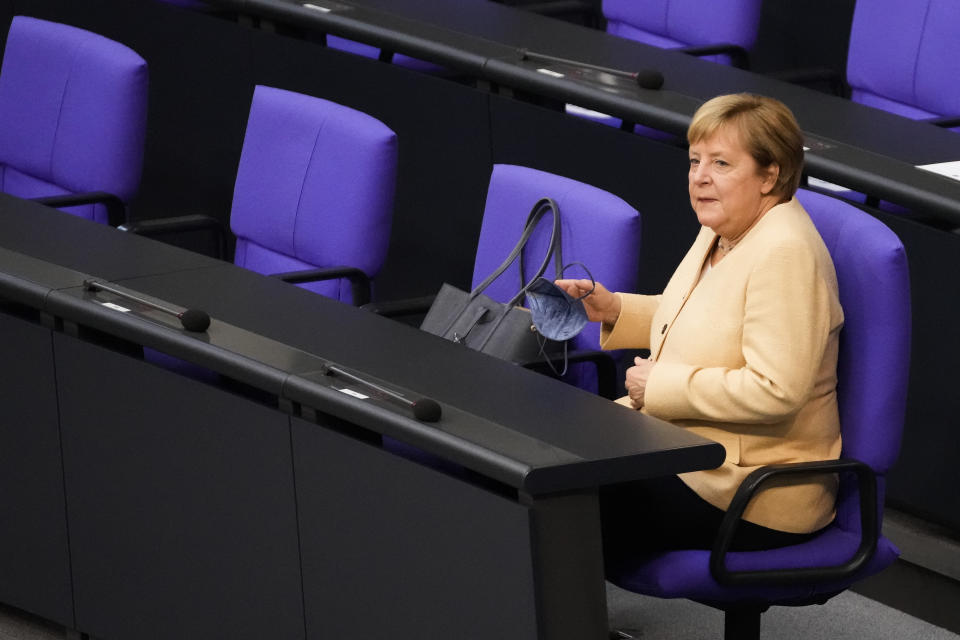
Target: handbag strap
column 555, row 248
column 539, row 210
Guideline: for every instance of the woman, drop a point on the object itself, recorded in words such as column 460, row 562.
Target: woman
column 743, row 341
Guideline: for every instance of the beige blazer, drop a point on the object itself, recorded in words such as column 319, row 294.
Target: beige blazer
column 748, row 357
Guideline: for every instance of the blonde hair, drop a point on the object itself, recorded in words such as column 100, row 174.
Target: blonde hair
column 768, row 131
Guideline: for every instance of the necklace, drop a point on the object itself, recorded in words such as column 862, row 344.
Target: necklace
column 724, row 246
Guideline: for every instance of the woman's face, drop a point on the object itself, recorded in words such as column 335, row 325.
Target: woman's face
column 728, row 190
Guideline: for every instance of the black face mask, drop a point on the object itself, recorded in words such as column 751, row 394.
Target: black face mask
column 555, row 313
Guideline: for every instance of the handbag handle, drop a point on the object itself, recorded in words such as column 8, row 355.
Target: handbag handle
column 555, row 248
column 536, row 214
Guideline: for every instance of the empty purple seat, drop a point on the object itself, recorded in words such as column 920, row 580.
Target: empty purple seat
column 872, row 373
column 313, row 197
column 312, row 201
column 690, row 25
column 314, row 189
column 903, row 57
column 73, row 108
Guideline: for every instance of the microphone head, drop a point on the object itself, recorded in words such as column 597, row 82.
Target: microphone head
column 649, row 79
column 426, row 410
column 195, row 320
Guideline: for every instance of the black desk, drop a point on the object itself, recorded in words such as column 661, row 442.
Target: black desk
column 261, row 504
column 859, row 147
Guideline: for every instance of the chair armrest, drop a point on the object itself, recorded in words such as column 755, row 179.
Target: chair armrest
column 116, row 210
column 945, row 122
column 405, row 307
column 738, row 55
column 812, row 75
column 867, row 483
column 605, row 363
column 359, row 281
column 180, row 224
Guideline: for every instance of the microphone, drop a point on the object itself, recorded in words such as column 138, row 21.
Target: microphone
column 649, row 79
column 192, row 319
column 645, row 78
column 424, row 409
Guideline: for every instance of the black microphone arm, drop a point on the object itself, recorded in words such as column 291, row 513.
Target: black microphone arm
column 424, row 409
column 192, row 319
column 647, row 78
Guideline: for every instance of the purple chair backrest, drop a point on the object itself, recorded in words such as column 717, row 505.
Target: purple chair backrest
column 874, row 359
column 73, row 108
column 681, row 23
column 904, row 56
column 314, row 188
column 599, row 229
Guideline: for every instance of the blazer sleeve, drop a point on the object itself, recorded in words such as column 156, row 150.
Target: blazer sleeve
column 789, row 313
column 632, row 329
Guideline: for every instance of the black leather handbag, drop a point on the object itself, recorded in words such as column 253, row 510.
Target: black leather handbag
column 503, row 330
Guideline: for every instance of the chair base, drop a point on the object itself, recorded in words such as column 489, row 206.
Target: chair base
column 742, row 624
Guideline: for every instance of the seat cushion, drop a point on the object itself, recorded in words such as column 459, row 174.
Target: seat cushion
column 250, row 255
column 315, row 184
column 19, row 184
column 686, row 574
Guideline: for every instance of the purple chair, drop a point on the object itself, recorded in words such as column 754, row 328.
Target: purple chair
column 599, row 229
column 902, row 58
column 721, row 31
column 314, row 193
column 73, row 109
column 872, row 371
column 313, row 198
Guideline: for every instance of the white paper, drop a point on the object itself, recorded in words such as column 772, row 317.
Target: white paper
column 550, row 72
column 948, row 169
column 315, row 7
column 355, row 394
column 575, row 110
column 829, row 186
column 115, row 306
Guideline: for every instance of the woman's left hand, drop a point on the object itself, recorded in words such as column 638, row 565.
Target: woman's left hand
column 636, row 382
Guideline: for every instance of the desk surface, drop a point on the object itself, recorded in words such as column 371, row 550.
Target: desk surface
column 516, row 426
column 857, row 146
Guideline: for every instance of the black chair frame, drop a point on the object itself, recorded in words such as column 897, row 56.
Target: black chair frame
column 116, row 209
column 359, row 281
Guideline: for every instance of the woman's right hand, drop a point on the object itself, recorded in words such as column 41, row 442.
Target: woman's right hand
column 602, row 305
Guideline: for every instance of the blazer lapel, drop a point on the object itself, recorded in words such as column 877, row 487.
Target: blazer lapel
column 687, row 277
